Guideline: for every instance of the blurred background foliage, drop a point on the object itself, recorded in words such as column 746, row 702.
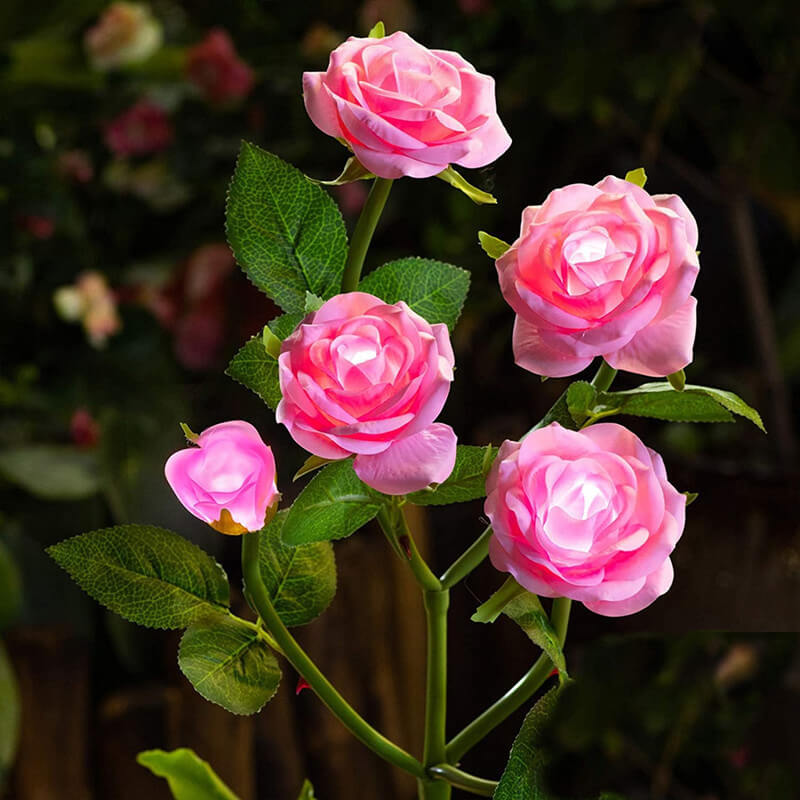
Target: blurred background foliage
column 120, row 304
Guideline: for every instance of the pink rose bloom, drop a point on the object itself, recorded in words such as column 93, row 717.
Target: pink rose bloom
column 360, row 376
column 126, row 33
column 404, row 109
column 228, row 480
column 144, row 128
column 215, row 68
column 604, row 270
column 588, row 515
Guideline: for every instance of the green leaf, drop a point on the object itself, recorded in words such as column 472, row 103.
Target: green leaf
column 732, row 402
column 459, row 182
column 661, row 401
column 523, row 776
column 435, row 290
column 467, row 481
column 301, row 580
column 10, row 588
column 581, row 397
column 334, row 504
column 229, row 664
column 492, row 246
column 378, row 31
column 188, row 776
column 287, row 234
column 52, row 472
column 307, row 792
column 353, row 170
column 313, row 303
column 255, row 366
column 526, row 610
column 147, row 575
column 637, row 176
column 10, row 712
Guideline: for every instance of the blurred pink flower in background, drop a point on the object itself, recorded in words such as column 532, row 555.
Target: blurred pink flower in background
column 125, row 33
column 37, row 225
column 216, row 69
column 143, row 129
column 84, row 429
column 76, row 165
column 91, row 302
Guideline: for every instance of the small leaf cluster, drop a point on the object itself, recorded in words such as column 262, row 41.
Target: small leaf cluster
column 155, row 578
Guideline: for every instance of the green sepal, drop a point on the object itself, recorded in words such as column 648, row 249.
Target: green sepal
column 189, row 434
column 637, row 176
column 492, row 246
column 353, row 171
column 311, row 464
column 494, row 606
column 187, row 775
column 378, row 31
column 272, row 344
column 229, row 663
column 690, row 497
column 458, row 181
column 677, row 380
column 313, row 303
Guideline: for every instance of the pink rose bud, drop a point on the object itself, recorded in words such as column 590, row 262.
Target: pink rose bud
column 604, row 270
column 404, row 109
column 144, row 128
column 228, row 480
column 360, row 376
column 126, row 33
column 588, row 515
column 215, row 68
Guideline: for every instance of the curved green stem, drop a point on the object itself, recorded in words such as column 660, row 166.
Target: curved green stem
column 516, row 696
column 604, row 377
column 393, row 523
column 436, row 604
column 298, row 658
column 467, row 561
column 362, row 235
column 463, row 780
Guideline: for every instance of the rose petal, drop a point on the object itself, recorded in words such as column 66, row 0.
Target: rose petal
column 411, row 463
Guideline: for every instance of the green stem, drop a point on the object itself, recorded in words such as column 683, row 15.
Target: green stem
column 362, row 235
column 434, row 752
column 516, row 696
column 393, row 523
column 463, row 780
column 604, row 378
column 298, row 658
column 467, row 561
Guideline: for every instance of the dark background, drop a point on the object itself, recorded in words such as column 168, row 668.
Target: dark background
column 704, row 95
